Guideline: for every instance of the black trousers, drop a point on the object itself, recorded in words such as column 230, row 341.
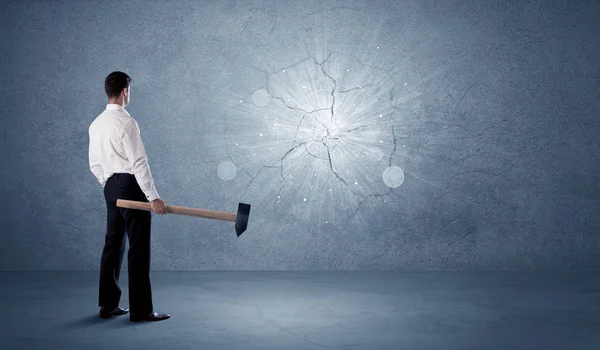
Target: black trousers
column 137, row 225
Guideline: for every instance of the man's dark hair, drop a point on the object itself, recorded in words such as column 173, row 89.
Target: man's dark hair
column 115, row 83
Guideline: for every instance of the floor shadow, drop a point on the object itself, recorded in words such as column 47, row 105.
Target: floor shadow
column 93, row 320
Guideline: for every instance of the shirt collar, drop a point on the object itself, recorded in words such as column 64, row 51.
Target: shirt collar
column 114, row 106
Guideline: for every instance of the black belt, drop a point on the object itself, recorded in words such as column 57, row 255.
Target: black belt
column 117, row 175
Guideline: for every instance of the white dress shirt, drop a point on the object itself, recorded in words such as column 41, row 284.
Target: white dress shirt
column 116, row 147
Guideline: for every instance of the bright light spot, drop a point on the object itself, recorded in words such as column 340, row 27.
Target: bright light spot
column 237, row 144
column 347, row 70
column 260, row 135
column 226, row 171
column 356, row 183
column 260, row 97
column 393, row 176
column 305, row 199
column 284, row 70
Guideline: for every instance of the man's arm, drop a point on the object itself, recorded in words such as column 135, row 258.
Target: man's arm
column 136, row 154
column 95, row 166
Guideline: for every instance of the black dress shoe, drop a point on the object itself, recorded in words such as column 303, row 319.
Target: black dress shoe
column 153, row 316
column 108, row 313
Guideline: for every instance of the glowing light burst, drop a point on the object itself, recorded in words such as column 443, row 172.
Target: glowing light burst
column 317, row 138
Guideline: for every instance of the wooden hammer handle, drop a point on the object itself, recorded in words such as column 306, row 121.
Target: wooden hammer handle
column 173, row 209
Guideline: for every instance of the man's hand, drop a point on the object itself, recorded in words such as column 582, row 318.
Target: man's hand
column 159, row 206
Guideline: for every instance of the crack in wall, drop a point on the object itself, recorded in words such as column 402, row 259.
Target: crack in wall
column 254, row 11
column 331, row 133
column 332, row 9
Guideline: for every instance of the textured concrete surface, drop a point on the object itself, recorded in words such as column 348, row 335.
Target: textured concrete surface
column 416, row 135
column 311, row 310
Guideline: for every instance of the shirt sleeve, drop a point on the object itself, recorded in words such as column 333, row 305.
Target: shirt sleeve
column 136, row 154
column 95, row 166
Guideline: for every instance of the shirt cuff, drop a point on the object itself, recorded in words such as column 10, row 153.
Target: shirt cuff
column 152, row 194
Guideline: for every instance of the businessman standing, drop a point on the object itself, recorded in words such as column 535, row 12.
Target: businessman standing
column 118, row 160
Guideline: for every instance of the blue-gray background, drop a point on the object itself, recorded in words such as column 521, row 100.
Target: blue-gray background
column 491, row 110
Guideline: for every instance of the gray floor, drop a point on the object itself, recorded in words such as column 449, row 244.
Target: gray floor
column 296, row 310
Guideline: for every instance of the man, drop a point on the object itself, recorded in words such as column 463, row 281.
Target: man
column 119, row 162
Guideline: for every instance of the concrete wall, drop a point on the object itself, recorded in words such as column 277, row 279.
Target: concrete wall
column 421, row 135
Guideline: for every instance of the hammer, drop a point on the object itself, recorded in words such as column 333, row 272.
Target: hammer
column 241, row 218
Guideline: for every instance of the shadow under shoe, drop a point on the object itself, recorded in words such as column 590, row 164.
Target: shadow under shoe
column 108, row 313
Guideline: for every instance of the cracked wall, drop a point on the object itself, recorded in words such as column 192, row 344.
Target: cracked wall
column 365, row 135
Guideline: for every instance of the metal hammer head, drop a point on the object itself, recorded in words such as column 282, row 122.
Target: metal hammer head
column 241, row 220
